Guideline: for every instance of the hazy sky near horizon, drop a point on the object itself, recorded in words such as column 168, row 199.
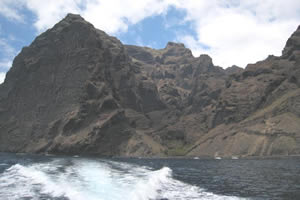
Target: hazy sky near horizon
column 232, row 32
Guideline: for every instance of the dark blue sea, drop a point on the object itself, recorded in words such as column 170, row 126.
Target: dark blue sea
column 26, row 177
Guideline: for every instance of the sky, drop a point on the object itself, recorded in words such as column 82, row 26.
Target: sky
column 232, row 32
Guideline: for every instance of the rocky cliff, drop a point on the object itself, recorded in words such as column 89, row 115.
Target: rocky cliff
column 76, row 90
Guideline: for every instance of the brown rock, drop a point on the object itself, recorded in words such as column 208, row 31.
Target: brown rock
column 76, row 90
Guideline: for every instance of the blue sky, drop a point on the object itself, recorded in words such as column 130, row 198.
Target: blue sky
column 156, row 31
column 230, row 31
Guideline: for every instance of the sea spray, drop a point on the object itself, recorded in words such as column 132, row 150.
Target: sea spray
column 152, row 185
column 82, row 179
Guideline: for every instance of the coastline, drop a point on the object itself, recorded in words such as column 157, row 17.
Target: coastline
column 154, row 157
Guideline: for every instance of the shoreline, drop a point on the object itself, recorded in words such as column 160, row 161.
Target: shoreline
column 155, row 157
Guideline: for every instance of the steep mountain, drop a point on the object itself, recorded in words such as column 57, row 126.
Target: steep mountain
column 258, row 111
column 67, row 91
column 76, row 90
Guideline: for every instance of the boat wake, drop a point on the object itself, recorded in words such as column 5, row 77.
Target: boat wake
column 83, row 179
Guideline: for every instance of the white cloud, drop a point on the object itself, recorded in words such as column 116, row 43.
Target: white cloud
column 11, row 10
column 8, row 53
column 5, row 64
column 2, row 77
column 6, row 48
column 111, row 16
column 115, row 15
column 51, row 11
column 240, row 32
column 236, row 31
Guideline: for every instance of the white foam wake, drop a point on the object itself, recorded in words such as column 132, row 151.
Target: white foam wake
column 96, row 180
column 151, row 185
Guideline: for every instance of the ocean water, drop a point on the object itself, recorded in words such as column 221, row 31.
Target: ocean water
column 26, row 177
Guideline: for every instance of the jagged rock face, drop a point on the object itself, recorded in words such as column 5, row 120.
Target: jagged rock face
column 292, row 47
column 209, row 103
column 67, row 91
column 258, row 111
column 77, row 90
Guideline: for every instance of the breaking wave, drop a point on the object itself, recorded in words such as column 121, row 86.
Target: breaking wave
column 95, row 180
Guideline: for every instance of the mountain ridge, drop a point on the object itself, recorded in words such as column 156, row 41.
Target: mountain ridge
column 76, row 90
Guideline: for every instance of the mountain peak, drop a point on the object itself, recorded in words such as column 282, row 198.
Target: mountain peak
column 174, row 44
column 77, row 90
column 292, row 44
column 70, row 19
column 177, row 49
column 73, row 17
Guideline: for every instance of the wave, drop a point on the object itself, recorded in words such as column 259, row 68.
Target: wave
column 152, row 185
column 96, row 180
